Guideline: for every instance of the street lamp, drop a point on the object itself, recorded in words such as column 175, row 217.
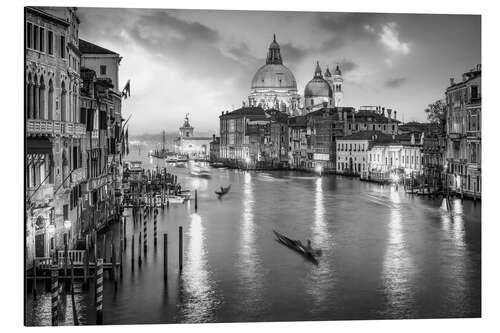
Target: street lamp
column 67, row 224
column 319, row 169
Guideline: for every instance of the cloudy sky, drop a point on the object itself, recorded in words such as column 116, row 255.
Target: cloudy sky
column 202, row 62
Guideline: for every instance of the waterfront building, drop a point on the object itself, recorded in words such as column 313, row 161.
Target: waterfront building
column 317, row 93
column 105, row 139
column 54, row 170
column 299, row 155
column 187, row 143
column 433, row 152
column 463, row 134
column 276, row 150
column 234, row 141
column 324, row 126
column 402, row 156
column 273, row 85
column 374, row 118
column 353, row 152
column 214, row 149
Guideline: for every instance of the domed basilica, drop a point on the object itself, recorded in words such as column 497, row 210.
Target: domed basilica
column 274, row 86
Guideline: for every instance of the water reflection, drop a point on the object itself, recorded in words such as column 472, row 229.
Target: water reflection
column 198, row 288
column 398, row 267
column 320, row 274
column 249, row 260
column 454, row 234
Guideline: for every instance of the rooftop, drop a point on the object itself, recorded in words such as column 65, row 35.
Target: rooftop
column 377, row 136
column 90, row 48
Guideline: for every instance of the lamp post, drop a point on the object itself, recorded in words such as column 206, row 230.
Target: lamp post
column 51, row 229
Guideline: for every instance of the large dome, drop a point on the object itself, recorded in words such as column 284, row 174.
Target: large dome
column 274, row 76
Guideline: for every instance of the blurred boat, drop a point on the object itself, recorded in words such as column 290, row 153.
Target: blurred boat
column 201, row 172
column 175, row 199
column 296, row 245
column 223, row 191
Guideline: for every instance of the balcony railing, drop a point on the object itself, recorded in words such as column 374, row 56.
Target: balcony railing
column 54, row 127
column 43, row 194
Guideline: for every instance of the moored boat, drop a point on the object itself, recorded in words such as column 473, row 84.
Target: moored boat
column 175, row 199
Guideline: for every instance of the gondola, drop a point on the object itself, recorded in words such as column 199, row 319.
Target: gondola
column 306, row 251
column 223, row 191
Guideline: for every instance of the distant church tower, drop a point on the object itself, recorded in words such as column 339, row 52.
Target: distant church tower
column 186, row 131
column 338, row 94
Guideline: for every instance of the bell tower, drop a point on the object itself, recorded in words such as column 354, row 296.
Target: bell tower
column 337, row 82
column 186, row 131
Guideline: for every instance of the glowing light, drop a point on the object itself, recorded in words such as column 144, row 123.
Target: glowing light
column 247, row 160
column 395, row 178
column 51, row 228
column 319, row 168
column 67, row 224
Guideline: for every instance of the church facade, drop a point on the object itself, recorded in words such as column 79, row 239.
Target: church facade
column 274, row 87
column 191, row 145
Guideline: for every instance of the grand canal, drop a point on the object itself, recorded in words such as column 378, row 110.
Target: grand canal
column 386, row 254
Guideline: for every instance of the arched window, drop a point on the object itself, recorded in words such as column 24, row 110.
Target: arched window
column 75, row 105
column 50, row 101
column 63, row 101
column 29, row 106
column 41, row 99
column 36, row 94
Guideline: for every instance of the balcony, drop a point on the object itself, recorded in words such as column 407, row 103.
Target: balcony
column 42, row 195
column 54, row 128
column 74, row 129
column 44, row 127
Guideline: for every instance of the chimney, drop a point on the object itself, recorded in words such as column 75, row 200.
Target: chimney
column 213, row 137
column 452, row 81
column 395, row 112
column 383, row 111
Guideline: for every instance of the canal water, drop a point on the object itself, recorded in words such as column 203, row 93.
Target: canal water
column 386, row 254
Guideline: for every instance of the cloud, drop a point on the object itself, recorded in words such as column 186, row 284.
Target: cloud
column 292, row 53
column 347, row 65
column 388, row 35
column 395, row 82
column 345, row 27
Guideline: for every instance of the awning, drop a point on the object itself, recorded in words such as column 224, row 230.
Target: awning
column 38, row 146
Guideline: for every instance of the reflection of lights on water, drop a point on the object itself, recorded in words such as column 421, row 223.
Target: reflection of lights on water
column 318, row 168
column 319, row 212
column 398, row 264
column 248, row 249
column 201, row 301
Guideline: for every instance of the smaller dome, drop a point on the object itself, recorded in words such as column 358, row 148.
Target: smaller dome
column 318, row 86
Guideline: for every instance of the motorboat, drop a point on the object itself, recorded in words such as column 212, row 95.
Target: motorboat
column 175, row 199
column 202, row 172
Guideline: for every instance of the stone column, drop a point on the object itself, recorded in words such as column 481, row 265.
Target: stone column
column 36, row 101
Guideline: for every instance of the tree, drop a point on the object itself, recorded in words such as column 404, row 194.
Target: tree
column 436, row 113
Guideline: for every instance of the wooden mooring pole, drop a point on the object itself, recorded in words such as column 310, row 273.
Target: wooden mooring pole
column 55, row 292
column 165, row 257
column 195, row 200
column 133, row 253
column 139, row 250
column 99, row 279
column 33, row 283
column 73, row 303
column 180, row 249
column 154, row 227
